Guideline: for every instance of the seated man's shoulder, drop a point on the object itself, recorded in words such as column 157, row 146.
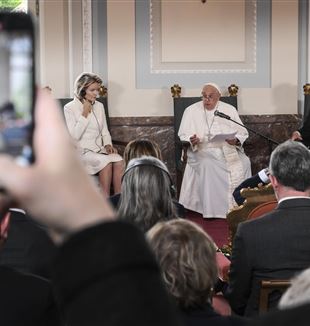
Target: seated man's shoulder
column 260, row 223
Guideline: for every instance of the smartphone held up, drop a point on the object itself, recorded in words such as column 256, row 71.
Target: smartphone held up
column 17, row 86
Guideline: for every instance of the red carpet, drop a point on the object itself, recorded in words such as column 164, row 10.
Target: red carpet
column 217, row 228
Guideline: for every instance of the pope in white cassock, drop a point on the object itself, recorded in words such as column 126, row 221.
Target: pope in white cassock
column 216, row 161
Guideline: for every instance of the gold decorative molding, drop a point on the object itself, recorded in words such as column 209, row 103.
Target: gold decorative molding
column 233, row 90
column 253, row 197
column 103, row 91
column 37, row 8
column 306, row 89
column 176, row 90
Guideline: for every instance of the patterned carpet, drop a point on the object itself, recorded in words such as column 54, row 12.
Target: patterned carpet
column 217, row 228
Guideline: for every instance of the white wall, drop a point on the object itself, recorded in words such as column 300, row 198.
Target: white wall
column 125, row 99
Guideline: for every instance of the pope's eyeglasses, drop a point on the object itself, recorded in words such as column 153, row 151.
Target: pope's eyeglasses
column 209, row 96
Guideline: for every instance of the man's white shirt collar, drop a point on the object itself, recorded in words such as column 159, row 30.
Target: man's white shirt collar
column 292, row 197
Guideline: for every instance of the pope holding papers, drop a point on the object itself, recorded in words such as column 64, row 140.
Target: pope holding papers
column 216, row 161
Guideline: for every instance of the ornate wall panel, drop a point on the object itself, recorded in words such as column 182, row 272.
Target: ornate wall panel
column 187, row 42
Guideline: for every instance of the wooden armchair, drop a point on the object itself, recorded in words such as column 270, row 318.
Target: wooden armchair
column 262, row 209
column 253, row 198
column 267, row 288
column 179, row 105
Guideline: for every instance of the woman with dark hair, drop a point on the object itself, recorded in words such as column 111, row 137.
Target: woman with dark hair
column 187, row 258
column 146, row 194
column 86, row 121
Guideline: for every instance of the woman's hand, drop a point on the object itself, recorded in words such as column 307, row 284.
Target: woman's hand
column 87, row 107
column 296, row 136
column 110, row 149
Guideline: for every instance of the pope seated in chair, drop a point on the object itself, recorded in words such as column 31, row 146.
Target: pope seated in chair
column 216, row 161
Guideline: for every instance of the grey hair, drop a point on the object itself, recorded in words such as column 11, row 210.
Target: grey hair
column 84, row 80
column 146, row 194
column 298, row 293
column 187, row 258
column 290, row 164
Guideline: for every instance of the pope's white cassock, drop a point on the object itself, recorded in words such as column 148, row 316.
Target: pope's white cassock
column 214, row 168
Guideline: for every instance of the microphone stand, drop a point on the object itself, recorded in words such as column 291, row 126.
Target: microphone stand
column 227, row 117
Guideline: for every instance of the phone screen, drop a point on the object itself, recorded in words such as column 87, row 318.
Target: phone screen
column 16, row 88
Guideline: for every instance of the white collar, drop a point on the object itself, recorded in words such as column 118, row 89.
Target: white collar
column 17, row 210
column 292, row 197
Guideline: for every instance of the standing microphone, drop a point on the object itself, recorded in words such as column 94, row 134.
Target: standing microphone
column 222, row 115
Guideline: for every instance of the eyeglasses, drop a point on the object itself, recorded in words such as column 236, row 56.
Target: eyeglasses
column 210, row 97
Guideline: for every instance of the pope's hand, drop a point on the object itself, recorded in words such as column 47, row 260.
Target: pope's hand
column 233, row 142
column 194, row 140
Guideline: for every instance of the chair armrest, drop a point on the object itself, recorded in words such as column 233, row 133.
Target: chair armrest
column 185, row 145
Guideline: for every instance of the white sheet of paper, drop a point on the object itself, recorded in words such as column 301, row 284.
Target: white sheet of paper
column 223, row 137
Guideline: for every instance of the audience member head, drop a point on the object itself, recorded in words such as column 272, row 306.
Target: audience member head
column 83, row 82
column 298, row 293
column 187, row 258
column 290, row 169
column 210, row 95
column 146, row 193
column 141, row 147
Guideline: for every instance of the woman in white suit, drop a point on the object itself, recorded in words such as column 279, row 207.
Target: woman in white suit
column 86, row 121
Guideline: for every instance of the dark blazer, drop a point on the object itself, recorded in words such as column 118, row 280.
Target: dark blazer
column 107, row 275
column 207, row 316
column 26, row 300
column 251, row 182
column 28, row 248
column 180, row 209
column 275, row 246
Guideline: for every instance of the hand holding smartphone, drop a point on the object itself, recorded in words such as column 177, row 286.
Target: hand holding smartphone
column 17, row 86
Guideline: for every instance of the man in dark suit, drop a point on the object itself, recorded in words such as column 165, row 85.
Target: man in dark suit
column 302, row 135
column 28, row 247
column 25, row 299
column 277, row 245
column 252, row 182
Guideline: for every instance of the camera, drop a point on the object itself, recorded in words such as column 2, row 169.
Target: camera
column 17, row 86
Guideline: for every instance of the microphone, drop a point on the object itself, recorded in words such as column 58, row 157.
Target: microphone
column 222, row 115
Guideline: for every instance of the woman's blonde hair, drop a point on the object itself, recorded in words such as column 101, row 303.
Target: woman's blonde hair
column 83, row 81
column 141, row 147
column 187, row 257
